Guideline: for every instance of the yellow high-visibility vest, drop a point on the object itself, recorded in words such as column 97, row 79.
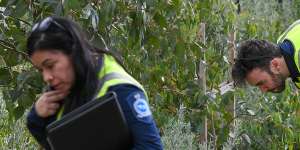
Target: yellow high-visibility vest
column 292, row 34
column 111, row 74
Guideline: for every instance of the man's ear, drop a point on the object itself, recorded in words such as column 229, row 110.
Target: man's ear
column 275, row 65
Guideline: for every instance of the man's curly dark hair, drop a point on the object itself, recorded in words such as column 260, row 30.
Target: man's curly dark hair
column 253, row 54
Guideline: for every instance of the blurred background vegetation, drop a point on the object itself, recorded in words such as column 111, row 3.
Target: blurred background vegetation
column 162, row 46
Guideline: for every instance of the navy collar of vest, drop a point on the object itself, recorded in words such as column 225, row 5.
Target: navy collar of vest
column 289, row 59
column 100, row 62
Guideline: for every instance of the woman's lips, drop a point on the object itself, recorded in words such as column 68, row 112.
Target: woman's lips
column 57, row 86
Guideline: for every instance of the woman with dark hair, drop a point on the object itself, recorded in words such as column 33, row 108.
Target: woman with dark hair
column 76, row 72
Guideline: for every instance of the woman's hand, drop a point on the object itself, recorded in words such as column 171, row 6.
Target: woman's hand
column 48, row 103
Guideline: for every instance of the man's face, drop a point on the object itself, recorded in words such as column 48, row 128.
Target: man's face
column 266, row 81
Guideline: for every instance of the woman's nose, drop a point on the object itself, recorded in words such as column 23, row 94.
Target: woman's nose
column 47, row 76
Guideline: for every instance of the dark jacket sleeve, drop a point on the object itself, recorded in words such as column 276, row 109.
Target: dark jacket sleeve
column 37, row 127
column 136, row 111
column 138, row 116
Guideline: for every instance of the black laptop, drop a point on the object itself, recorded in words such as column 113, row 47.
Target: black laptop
column 97, row 125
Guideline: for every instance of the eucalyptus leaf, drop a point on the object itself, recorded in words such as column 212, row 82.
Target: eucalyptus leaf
column 18, row 112
column 5, row 76
column 246, row 138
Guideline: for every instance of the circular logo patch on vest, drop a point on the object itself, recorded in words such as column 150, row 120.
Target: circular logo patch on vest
column 141, row 107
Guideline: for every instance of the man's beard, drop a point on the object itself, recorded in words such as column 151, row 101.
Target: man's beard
column 279, row 82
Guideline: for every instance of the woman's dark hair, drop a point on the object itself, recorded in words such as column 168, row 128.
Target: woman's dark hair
column 253, row 54
column 54, row 33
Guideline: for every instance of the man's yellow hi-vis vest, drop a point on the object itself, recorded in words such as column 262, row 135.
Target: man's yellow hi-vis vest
column 111, row 74
column 292, row 34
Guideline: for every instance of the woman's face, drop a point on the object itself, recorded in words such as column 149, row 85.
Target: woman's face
column 56, row 68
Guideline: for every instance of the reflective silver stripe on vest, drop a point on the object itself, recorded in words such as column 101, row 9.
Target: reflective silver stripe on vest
column 111, row 76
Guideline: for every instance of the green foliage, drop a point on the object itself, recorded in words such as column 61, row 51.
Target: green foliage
column 13, row 134
column 161, row 47
column 265, row 19
column 178, row 134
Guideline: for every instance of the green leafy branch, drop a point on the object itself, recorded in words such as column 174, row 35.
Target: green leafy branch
column 15, row 18
column 10, row 47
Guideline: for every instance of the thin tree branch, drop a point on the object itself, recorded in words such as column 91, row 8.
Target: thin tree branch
column 12, row 48
column 5, row 46
column 2, row 12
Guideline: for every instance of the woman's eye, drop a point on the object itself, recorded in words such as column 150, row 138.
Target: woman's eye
column 49, row 66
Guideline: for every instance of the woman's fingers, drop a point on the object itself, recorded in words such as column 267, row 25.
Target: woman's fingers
column 54, row 96
column 53, row 106
column 48, row 103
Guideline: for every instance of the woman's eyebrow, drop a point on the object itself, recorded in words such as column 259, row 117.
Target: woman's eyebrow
column 45, row 62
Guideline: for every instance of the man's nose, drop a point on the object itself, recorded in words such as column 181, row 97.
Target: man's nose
column 263, row 88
